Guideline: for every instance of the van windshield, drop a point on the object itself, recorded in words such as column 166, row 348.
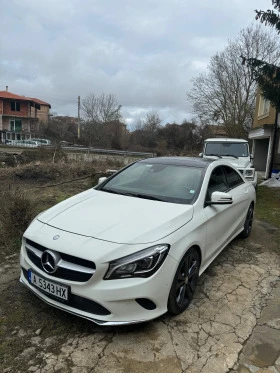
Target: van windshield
column 234, row 149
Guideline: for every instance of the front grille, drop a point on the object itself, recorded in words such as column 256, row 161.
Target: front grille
column 78, row 302
column 69, row 267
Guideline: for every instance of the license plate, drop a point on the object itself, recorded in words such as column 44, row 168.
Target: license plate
column 52, row 288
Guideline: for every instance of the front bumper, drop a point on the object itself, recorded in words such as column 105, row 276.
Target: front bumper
column 119, row 297
column 73, row 311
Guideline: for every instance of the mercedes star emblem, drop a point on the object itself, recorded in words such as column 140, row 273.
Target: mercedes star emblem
column 50, row 261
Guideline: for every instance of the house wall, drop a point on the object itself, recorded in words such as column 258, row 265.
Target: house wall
column 6, row 124
column 276, row 156
column 42, row 114
column 260, row 154
column 268, row 119
column 1, row 112
column 23, row 108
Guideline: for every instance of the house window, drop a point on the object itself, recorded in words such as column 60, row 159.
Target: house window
column 15, row 106
column 16, row 125
column 263, row 107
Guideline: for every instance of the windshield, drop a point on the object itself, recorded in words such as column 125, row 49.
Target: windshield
column 162, row 182
column 234, row 149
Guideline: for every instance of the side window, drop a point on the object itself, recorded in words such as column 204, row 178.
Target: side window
column 15, row 106
column 15, row 125
column 233, row 178
column 217, row 182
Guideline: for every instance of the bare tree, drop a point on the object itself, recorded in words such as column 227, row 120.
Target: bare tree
column 98, row 110
column 145, row 130
column 151, row 122
column 59, row 128
column 138, row 125
column 184, row 138
column 226, row 93
column 101, row 109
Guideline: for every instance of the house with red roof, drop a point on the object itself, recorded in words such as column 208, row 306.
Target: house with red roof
column 20, row 116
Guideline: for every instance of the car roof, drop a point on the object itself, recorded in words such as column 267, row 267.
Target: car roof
column 225, row 139
column 180, row 161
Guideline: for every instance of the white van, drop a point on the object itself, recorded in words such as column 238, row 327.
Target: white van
column 235, row 151
column 25, row 143
column 42, row 141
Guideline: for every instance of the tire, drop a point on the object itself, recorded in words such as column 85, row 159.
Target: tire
column 184, row 283
column 248, row 223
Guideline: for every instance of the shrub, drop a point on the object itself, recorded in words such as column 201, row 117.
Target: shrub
column 16, row 213
column 43, row 155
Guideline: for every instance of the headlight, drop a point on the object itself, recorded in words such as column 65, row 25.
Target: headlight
column 141, row 264
column 249, row 172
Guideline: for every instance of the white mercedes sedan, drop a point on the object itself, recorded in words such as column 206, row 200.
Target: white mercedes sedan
column 133, row 247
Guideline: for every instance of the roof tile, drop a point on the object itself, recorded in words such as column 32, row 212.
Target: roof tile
column 9, row 95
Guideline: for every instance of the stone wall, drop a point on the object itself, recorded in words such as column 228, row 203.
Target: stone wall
column 89, row 157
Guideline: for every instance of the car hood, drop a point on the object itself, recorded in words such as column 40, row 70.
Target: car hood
column 117, row 218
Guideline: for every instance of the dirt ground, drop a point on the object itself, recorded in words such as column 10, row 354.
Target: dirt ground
column 232, row 325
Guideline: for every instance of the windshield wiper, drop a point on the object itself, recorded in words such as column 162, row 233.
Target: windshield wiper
column 113, row 192
column 216, row 155
column 145, row 196
column 138, row 195
column 231, row 155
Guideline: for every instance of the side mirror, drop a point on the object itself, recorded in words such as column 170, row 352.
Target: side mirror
column 101, row 180
column 200, row 155
column 220, row 198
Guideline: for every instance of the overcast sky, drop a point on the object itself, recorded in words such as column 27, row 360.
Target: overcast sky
column 144, row 51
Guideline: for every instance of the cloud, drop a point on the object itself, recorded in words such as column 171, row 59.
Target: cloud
column 143, row 52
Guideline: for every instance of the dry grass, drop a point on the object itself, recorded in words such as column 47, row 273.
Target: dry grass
column 29, row 189
column 268, row 205
column 16, row 213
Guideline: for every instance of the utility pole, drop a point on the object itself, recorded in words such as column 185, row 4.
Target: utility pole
column 79, row 106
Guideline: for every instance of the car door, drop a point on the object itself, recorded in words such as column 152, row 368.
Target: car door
column 220, row 223
column 239, row 191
